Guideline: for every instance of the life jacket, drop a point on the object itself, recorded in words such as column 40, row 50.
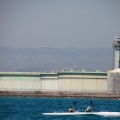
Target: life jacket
column 71, row 110
column 88, row 109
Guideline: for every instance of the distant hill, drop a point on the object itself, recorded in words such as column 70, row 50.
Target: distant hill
column 54, row 59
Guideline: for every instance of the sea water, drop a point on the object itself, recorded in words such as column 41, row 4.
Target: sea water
column 20, row 108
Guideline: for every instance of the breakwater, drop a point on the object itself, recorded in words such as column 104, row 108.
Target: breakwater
column 65, row 94
column 83, row 81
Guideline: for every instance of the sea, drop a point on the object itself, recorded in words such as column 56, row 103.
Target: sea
column 29, row 108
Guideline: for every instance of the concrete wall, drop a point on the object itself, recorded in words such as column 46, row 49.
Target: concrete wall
column 61, row 81
column 82, row 83
column 114, row 81
column 20, row 83
column 116, row 59
column 49, row 83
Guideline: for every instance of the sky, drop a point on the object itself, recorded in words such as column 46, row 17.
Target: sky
column 59, row 23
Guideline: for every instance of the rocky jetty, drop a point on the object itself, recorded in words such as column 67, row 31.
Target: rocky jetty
column 56, row 94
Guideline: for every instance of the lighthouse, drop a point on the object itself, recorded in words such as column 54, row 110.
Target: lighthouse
column 116, row 49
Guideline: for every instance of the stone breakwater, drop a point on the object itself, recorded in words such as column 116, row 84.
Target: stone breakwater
column 63, row 94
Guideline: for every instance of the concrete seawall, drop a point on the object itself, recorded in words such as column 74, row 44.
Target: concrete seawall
column 78, row 84
column 82, row 81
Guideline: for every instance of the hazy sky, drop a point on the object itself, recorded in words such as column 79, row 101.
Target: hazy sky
column 59, row 23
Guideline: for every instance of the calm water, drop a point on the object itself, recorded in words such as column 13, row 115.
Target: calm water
column 12, row 108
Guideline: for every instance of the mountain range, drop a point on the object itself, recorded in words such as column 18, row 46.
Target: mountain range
column 55, row 59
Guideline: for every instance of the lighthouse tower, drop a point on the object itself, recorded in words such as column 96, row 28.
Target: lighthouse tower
column 116, row 48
